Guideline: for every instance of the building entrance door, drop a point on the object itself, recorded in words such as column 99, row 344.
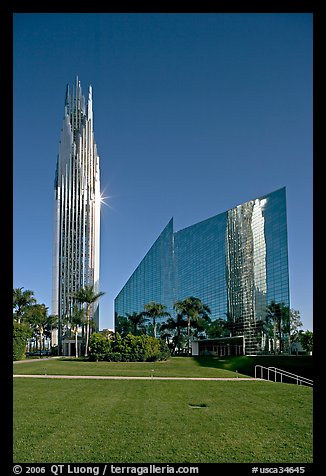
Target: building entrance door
column 72, row 349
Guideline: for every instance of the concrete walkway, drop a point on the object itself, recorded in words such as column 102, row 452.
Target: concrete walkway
column 38, row 359
column 118, row 377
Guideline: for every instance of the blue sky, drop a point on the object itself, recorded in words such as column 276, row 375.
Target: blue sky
column 193, row 114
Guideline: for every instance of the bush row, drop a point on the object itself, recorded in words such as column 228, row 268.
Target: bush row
column 118, row 357
column 130, row 348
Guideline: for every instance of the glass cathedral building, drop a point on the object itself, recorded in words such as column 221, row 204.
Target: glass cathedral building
column 236, row 262
column 76, row 244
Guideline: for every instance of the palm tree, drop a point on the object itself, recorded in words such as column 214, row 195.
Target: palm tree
column 193, row 309
column 154, row 310
column 122, row 325
column 87, row 296
column 136, row 319
column 40, row 321
column 53, row 324
column 21, row 301
column 76, row 320
column 174, row 325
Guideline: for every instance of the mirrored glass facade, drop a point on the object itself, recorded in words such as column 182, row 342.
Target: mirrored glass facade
column 235, row 262
column 153, row 278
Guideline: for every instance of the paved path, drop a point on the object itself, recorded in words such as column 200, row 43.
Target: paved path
column 118, row 377
column 38, row 359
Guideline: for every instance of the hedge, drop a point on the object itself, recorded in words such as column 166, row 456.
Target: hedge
column 21, row 332
column 127, row 349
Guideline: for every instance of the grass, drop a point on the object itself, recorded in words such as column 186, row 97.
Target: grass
column 80, row 421
column 231, row 366
column 159, row 421
column 299, row 365
column 174, row 367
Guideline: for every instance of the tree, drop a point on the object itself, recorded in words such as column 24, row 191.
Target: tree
column 21, row 332
column 154, row 310
column 122, row 325
column 278, row 315
column 172, row 328
column 40, row 321
column 107, row 333
column 22, row 300
column 54, row 324
column 63, row 331
column 307, row 340
column 294, row 324
column 217, row 328
column 136, row 319
column 199, row 327
column 192, row 309
column 87, row 296
column 76, row 320
column 99, row 344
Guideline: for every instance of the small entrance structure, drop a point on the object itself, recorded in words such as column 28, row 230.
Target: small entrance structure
column 219, row 346
column 69, row 347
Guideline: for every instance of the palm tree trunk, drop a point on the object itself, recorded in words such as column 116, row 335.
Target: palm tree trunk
column 154, row 324
column 178, row 337
column 41, row 335
column 188, row 331
column 87, row 338
column 280, row 333
column 87, row 329
column 76, row 343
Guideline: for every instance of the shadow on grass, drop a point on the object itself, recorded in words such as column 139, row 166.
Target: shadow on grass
column 245, row 364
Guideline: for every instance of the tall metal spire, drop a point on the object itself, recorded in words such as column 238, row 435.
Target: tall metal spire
column 77, row 200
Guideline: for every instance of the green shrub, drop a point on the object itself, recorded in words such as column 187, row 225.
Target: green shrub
column 127, row 349
column 99, row 344
column 21, row 332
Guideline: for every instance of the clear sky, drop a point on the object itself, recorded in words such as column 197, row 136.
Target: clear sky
column 193, row 114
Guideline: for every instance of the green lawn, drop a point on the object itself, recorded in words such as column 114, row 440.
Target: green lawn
column 132, row 421
column 174, row 367
column 300, row 365
column 162, row 421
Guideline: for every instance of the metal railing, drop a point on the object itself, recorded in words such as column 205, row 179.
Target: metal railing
column 281, row 373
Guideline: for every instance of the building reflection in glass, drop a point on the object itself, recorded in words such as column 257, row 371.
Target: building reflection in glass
column 246, row 271
column 236, row 262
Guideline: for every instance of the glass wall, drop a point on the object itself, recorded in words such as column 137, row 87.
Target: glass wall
column 152, row 280
column 200, row 264
column 235, row 262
